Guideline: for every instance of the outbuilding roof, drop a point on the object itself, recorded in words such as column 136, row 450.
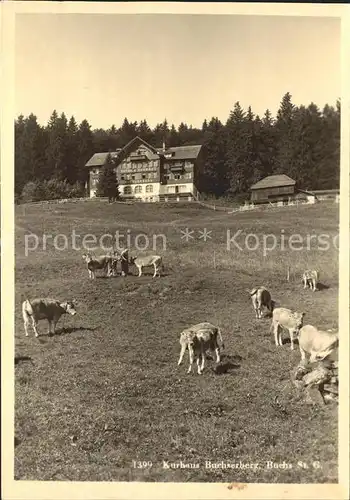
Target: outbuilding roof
column 273, row 181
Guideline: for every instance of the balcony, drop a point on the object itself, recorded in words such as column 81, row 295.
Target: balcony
column 137, row 157
column 177, row 165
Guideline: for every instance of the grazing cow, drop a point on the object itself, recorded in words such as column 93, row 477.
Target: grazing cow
column 105, row 262
column 310, row 279
column 291, row 321
column 261, row 297
column 317, row 343
column 151, row 260
column 50, row 309
column 198, row 339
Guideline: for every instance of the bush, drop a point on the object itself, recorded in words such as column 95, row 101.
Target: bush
column 31, row 192
column 52, row 189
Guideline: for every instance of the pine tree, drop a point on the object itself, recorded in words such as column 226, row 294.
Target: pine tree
column 283, row 134
column 213, row 178
column 72, row 151
column 145, row 132
column 113, row 139
column 85, row 150
column 107, row 182
column 127, row 132
column 204, row 126
column 267, row 145
column 183, row 133
column 101, row 140
column 30, row 147
column 161, row 134
column 173, row 137
column 328, row 171
column 56, row 153
column 238, row 150
column 21, row 167
column 305, row 137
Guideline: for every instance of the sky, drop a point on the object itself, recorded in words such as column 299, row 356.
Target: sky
column 104, row 67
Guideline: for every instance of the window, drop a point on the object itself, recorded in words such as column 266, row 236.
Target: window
column 188, row 175
column 177, row 176
column 127, row 190
column 138, row 189
column 133, row 177
column 143, row 176
column 149, row 189
column 171, row 189
column 122, row 177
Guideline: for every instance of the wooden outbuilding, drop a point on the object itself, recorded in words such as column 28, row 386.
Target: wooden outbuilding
column 273, row 188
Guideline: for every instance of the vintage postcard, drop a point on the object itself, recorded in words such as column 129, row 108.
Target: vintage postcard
column 175, row 250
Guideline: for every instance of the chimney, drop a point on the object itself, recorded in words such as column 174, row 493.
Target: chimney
column 163, row 145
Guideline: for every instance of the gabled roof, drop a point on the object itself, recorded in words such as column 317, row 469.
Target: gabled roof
column 273, row 181
column 138, row 140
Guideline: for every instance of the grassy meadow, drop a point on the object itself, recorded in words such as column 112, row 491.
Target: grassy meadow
column 105, row 391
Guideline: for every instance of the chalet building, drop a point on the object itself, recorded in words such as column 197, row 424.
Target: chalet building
column 151, row 174
column 273, row 188
column 279, row 188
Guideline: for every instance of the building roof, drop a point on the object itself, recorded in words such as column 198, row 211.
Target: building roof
column 99, row 159
column 273, row 181
column 177, row 153
column 182, row 152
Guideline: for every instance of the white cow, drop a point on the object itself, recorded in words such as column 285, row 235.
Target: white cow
column 291, row 321
column 50, row 309
column 152, row 260
column 310, row 279
column 316, row 343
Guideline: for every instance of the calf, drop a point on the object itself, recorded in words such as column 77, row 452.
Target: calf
column 261, row 297
column 151, row 260
column 198, row 339
column 105, row 262
column 50, row 309
column 291, row 321
column 317, row 343
column 310, row 279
